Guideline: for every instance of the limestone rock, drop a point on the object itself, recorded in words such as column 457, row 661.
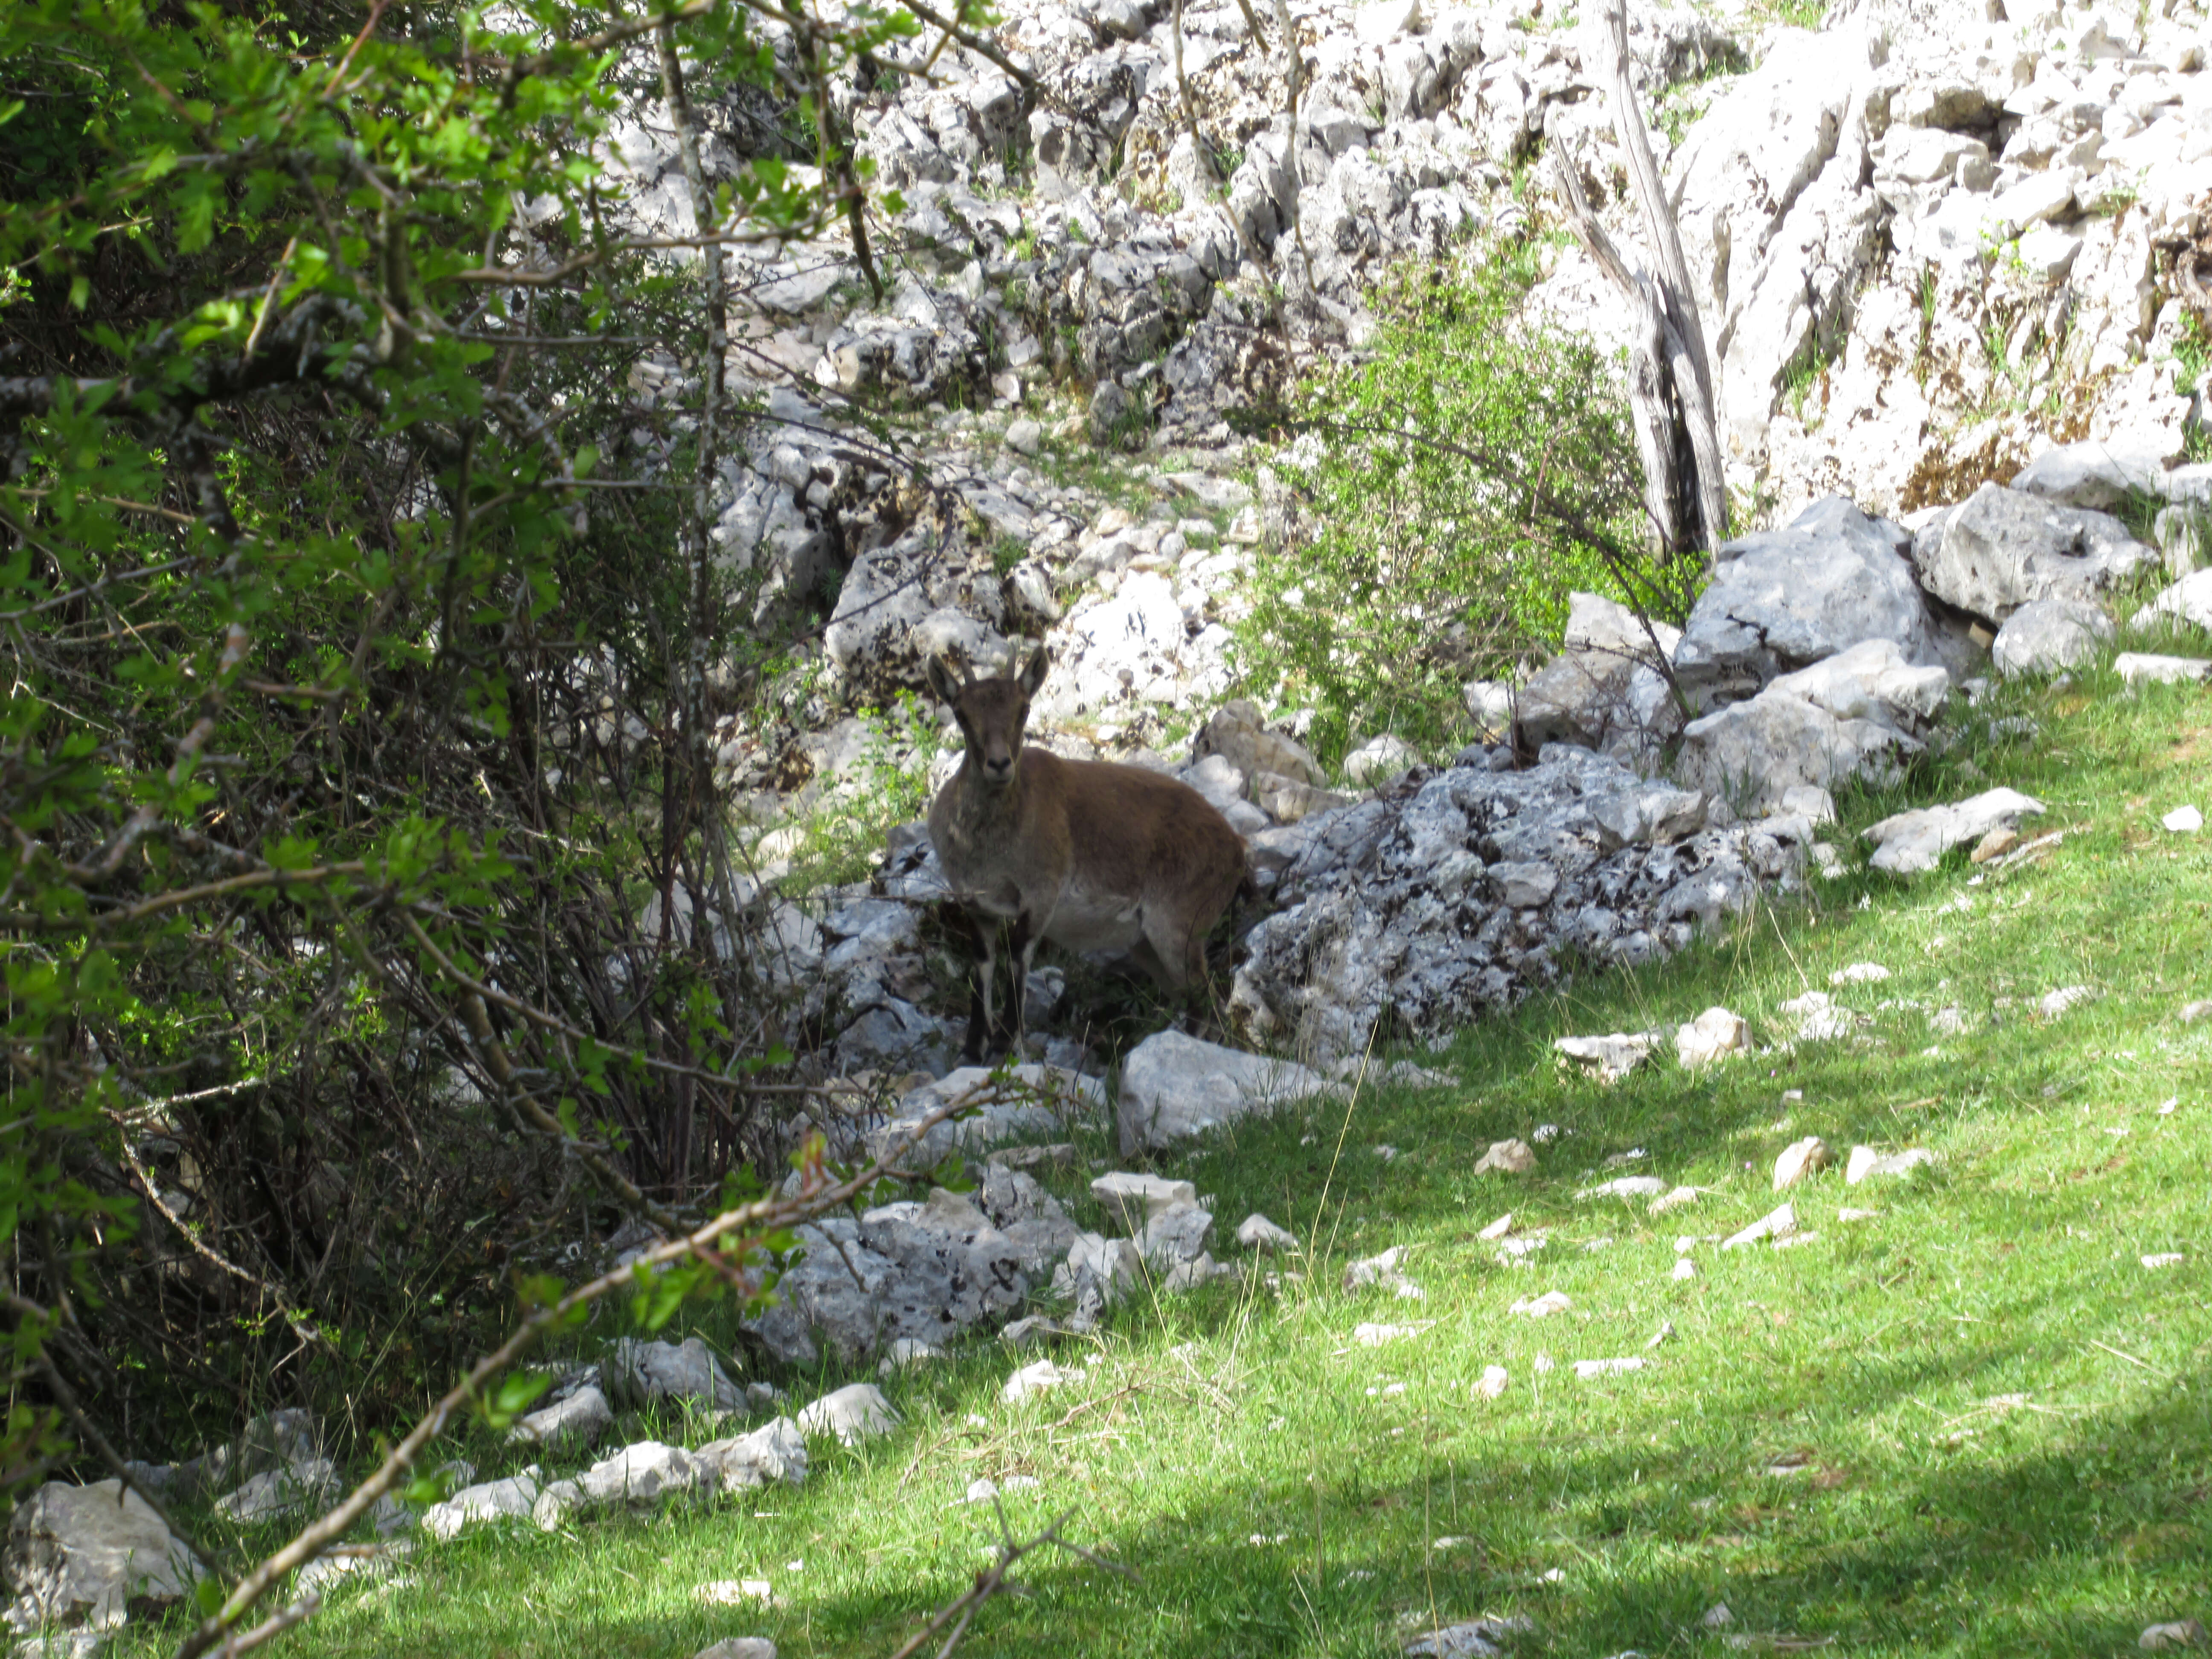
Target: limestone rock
column 1174, row 1237
column 85, row 1558
column 1714, row 1035
column 1378, row 759
column 1174, row 1087
column 1133, row 1199
column 1238, row 734
column 1029, row 1101
column 1032, row 1380
column 2148, row 668
column 1754, row 753
column 2188, row 600
column 1866, row 1163
column 639, row 1370
column 1776, row 1226
column 1872, row 681
column 1607, row 1059
column 510, row 1499
column 1999, row 549
column 1783, row 599
column 641, row 1476
column 2048, row 634
column 1256, row 1232
column 776, row 1451
column 281, row 1491
column 1798, row 1161
column 738, row 1647
column 579, row 1420
column 855, row 1413
column 1914, row 841
column 1507, row 1157
column 2091, row 474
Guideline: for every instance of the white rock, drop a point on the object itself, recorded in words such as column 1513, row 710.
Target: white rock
column 1175, row 1236
column 1174, row 1087
column 1378, row 759
column 740, row 1647
column 1034, row 1379
column 2188, row 600
column 281, row 1491
column 1674, row 1198
column 1477, row 1638
column 1627, row 1187
column 1256, row 1232
column 1916, row 841
column 2183, row 821
column 1507, row 1157
column 1524, row 886
column 1110, row 1266
column 1684, row 1267
column 904, row 1353
column 1859, row 973
column 1544, row 1306
column 1776, row 1225
column 1866, row 1163
column 1133, row 1199
column 510, row 1499
column 81, row 1557
column 2164, row 1259
column 1799, row 1160
column 1384, row 1271
column 855, row 1413
column 1025, row 436
column 1712, row 1036
column 1818, row 1018
column 582, row 1418
column 1607, row 1059
column 1493, row 1381
column 1374, row 1336
column 2181, row 1633
column 1872, row 681
column 776, row 1451
column 2148, row 668
column 1587, row 1368
column 2045, row 635
column 2066, row 997
column 1499, row 1228
column 642, row 1475
column 670, row 1370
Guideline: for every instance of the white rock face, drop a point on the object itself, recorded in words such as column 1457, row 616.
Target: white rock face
column 1030, row 1102
column 855, row 1413
column 1174, row 1087
column 84, row 1558
column 2001, row 549
column 1872, row 681
column 1915, row 840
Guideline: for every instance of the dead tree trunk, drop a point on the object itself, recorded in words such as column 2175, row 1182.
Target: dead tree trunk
column 1670, row 388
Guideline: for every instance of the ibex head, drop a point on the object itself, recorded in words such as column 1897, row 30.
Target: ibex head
column 992, row 713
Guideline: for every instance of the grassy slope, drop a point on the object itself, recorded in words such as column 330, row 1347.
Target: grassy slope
column 2002, row 1413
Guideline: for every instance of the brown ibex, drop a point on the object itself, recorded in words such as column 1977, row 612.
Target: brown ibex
column 1091, row 855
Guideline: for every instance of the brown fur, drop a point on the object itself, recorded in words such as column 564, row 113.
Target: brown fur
column 1090, row 854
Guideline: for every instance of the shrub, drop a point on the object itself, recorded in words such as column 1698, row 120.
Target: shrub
column 1446, row 493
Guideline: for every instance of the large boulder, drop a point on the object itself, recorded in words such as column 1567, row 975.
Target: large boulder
column 2044, row 635
column 85, row 1558
column 1607, row 689
column 2001, row 548
column 1872, row 681
column 1784, row 599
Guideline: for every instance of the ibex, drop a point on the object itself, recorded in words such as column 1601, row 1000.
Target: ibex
column 1091, row 855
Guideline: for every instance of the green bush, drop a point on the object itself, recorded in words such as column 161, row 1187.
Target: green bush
column 1448, row 490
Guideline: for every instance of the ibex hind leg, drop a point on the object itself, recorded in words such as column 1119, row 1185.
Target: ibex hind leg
column 980, row 935
column 1021, row 950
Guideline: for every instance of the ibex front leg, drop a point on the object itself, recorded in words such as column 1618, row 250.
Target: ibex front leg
column 981, row 933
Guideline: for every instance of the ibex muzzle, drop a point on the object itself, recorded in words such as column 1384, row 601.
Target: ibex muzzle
column 1091, row 855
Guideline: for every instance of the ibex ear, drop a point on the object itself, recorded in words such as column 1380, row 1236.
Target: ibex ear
column 1034, row 671
column 940, row 679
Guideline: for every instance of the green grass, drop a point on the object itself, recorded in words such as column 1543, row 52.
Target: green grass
column 2000, row 1416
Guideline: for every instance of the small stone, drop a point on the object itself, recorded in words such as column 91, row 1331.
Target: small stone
column 854, row 1414
column 1587, row 1368
column 582, row 1418
column 736, row 1592
column 1544, row 1306
column 2193, row 1012
column 1665, row 1331
column 1712, row 1036
column 2148, row 668
column 1859, row 973
column 1256, row 1232
column 1025, row 436
column 1381, row 1272
column 1034, row 1379
column 1799, row 1160
column 1493, row 1381
column 1507, row 1157
column 1776, row 1225
column 1718, row 1616
column 1674, row 1198
column 1607, row 1059
column 2183, row 821
column 2182, row 1633
column 1995, row 845
column 1866, row 1163
column 1818, row 1018
column 2164, row 1259
column 740, row 1647
column 2055, row 1003
column 1627, row 1187
column 1498, row 1229
column 904, row 1353
column 1133, row 1199
column 1374, row 1336
column 1848, row 1214
column 1684, row 1268
column 1524, row 886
